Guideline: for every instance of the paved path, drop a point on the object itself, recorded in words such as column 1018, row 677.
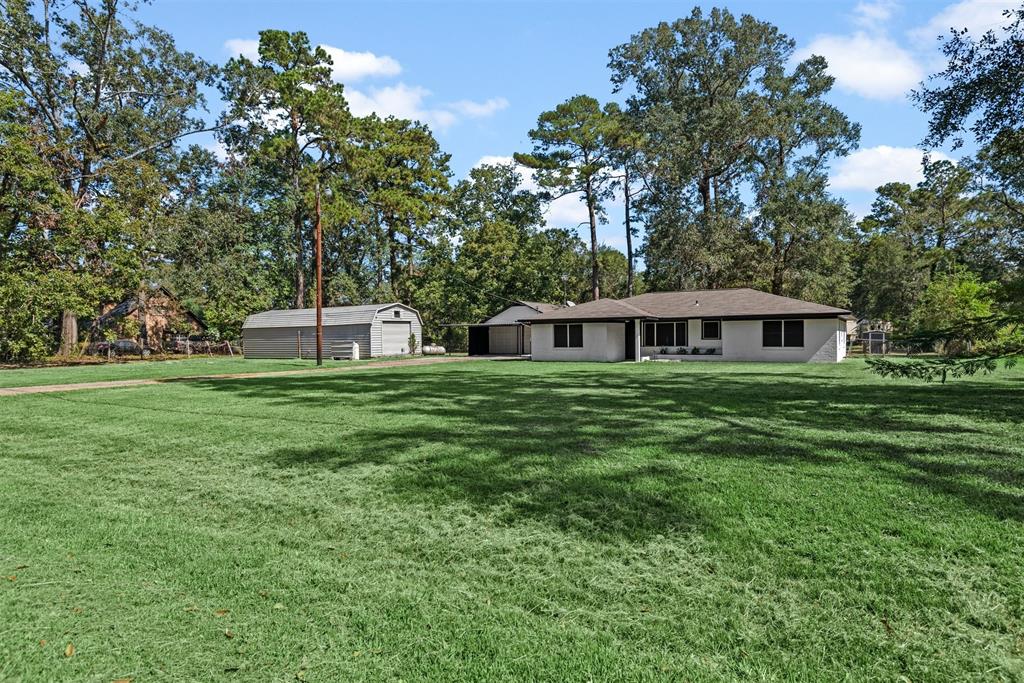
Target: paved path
column 119, row 383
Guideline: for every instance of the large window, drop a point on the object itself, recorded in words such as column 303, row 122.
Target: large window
column 648, row 335
column 569, row 336
column 710, row 329
column 665, row 334
column 782, row 333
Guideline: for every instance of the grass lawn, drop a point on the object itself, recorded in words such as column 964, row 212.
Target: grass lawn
column 512, row 520
column 157, row 369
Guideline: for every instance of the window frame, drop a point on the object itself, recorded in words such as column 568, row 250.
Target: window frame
column 782, row 333
column 397, row 313
column 648, row 340
column 685, row 324
column 568, row 330
column 657, row 340
column 703, row 334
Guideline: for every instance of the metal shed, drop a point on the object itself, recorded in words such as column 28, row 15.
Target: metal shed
column 379, row 329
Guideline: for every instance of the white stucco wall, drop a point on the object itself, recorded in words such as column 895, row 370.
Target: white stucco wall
column 601, row 342
column 822, row 344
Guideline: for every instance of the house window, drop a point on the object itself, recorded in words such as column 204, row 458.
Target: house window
column 782, row 333
column 398, row 314
column 666, row 334
column 648, row 334
column 682, row 334
column 710, row 329
column 569, row 336
column 771, row 333
column 793, row 333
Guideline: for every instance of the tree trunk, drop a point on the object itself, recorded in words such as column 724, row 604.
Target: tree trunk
column 704, row 186
column 595, row 280
column 629, row 236
column 68, row 333
column 300, row 259
column 394, row 271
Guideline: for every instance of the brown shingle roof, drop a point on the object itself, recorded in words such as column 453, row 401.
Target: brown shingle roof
column 602, row 309
column 706, row 303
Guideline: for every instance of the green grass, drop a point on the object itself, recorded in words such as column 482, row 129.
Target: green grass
column 497, row 520
column 157, row 369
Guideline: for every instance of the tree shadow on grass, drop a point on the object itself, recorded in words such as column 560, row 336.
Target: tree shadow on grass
column 606, row 453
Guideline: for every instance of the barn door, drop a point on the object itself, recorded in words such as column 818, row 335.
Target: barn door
column 395, row 338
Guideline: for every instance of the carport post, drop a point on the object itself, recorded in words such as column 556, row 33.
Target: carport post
column 636, row 340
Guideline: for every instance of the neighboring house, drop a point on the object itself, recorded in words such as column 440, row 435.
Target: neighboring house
column 378, row 329
column 507, row 332
column 717, row 324
column 159, row 314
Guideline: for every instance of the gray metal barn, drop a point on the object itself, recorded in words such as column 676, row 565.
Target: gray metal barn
column 379, row 329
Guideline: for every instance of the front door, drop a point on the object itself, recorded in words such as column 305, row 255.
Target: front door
column 630, row 340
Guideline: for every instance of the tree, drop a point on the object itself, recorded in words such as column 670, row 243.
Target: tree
column 951, row 301
column 572, row 155
column 615, row 276
column 109, row 99
column 801, row 227
column 402, row 174
column 719, row 119
column 626, row 143
column 286, row 114
column 976, row 93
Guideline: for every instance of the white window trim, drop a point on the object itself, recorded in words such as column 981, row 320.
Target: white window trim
column 711, row 320
column 783, row 347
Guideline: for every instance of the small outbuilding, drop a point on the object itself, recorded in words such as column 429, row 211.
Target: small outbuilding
column 391, row 329
column 506, row 332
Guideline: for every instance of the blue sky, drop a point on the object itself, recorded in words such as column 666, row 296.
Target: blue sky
column 480, row 72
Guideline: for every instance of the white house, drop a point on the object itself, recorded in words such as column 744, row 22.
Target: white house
column 715, row 324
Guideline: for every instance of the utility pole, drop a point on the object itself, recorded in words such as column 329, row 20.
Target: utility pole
column 319, row 283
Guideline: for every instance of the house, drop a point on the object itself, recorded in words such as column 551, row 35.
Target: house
column 159, row 314
column 508, row 331
column 715, row 324
column 378, row 329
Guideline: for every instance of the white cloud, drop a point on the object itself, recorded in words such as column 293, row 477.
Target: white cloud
column 869, row 168
column 401, row 101
column 409, row 102
column 874, row 14
column 243, row 47
column 977, row 16
column 398, row 100
column 871, row 66
column 349, row 67
column 475, row 110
